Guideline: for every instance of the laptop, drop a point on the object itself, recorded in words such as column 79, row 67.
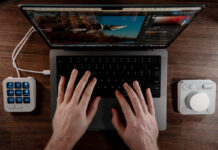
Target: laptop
column 117, row 43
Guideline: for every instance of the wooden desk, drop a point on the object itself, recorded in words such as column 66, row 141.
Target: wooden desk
column 194, row 55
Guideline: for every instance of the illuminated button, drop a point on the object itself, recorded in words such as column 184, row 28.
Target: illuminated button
column 10, row 100
column 18, row 92
column 10, row 93
column 18, row 99
column 26, row 85
column 26, row 92
column 18, row 85
column 10, row 85
column 26, row 99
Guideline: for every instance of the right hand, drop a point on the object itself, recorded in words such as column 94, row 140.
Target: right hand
column 140, row 131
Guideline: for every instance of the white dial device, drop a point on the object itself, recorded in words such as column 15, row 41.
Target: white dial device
column 196, row 97
column 198, row 101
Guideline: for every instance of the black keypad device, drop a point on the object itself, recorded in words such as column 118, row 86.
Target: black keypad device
column 113, row 71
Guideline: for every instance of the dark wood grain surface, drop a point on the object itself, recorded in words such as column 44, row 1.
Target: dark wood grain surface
column 194, row 55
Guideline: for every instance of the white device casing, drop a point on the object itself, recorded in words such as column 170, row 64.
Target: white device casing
column 196, row 97
column 23, row 107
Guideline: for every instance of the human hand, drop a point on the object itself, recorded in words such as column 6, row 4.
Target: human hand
column 140, row 131
column 72, row 116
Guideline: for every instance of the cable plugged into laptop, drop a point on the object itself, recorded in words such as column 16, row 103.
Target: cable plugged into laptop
column 17, row 50
column 19, row 94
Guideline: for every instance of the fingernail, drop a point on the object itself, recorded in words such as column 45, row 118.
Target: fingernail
column 125, row 84
column 87, row 72
column 149, row 90
column 94, row 79
column 136, row 82
column 74, row 70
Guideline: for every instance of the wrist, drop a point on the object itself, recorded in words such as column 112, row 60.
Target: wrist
column 56, row 143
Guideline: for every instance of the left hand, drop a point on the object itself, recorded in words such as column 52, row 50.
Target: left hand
column 72, row 116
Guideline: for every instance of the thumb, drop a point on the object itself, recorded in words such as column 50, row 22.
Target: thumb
column 118, row 125
column 93, row 108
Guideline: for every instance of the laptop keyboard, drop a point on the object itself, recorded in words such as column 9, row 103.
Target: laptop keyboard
column 112, row 71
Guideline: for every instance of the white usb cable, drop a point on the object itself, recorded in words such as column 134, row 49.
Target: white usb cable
column 17, row 50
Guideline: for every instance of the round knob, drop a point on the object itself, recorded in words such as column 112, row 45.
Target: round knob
column 199, row 101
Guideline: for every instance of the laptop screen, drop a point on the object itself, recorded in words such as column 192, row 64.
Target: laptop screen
column 82, row 27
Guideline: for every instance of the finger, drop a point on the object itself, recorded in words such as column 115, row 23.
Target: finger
column 118, row 125
column 128, row 114
column 87, row 94
column 134, row 99
column 61, row 90
column 80, row 87
column 139, row 93
column 150, row 102
column 70, row 86
column 93, row 109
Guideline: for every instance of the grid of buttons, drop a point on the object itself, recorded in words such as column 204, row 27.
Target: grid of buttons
column 18, row 92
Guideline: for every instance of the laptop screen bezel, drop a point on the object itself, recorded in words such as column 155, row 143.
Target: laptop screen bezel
column 107, row 7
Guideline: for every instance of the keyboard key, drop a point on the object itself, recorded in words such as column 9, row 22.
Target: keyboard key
column 26, row 85
column 18, row 92
column 10, row 100
column 26, row 99
column 18, row 99
column 18, row 85
column 10, row 92
column 113, row 71
column 10, row 85
column 26, row 92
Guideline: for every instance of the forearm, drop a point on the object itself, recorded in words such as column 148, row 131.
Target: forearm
column 147, row 144
column 151, row 145
column 59, row 144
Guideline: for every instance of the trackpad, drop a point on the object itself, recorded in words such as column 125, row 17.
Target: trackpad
column 102, row 119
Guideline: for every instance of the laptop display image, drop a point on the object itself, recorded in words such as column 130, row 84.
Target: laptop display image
column 147, row 27
column 117, row 43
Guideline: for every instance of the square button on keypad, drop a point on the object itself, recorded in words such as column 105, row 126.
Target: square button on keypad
column 26, row 99
column 18, row 92
column 26, row 92
column 18, row 99
column 10, row 85
column 26, row 85
column 18, row 85
column 10, row 100
column 10, row 92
